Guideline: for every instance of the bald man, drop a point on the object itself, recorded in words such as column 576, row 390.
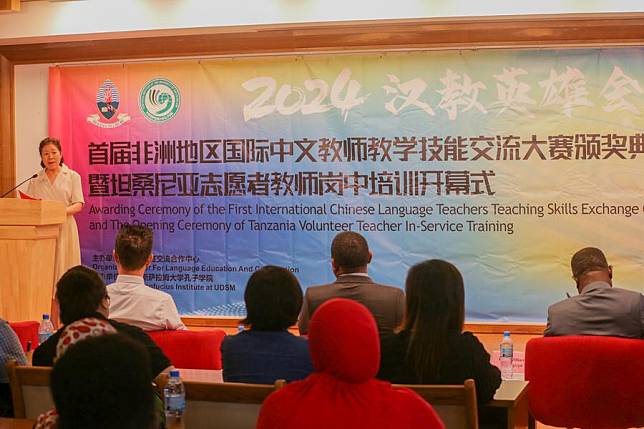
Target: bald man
column 600, row 308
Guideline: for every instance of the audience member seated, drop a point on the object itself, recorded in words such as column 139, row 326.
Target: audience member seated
column 81, row 293
column 133, row 302
column 600, row 308
column 73, row 333
column 431, row 347
column 267, row 351
column 102, row 383
column 10, row 348
column 350, row 256
column 342, row 392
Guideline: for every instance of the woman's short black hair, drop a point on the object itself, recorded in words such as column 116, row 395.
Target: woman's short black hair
column 79, row 293
column 104, row 382
column 273, row 299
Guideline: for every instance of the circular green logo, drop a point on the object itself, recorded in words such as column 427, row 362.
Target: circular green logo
column 159, row 100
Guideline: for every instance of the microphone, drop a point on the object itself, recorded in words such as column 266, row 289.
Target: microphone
column 18, row 185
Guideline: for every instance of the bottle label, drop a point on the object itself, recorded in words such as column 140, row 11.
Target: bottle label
column 43, row 336
column 506, row 351
column 175, row 403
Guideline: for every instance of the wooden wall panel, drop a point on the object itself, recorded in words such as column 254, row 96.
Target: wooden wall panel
column 229, row 324
column 9, row 5
column 7, row 141
column 410, row 34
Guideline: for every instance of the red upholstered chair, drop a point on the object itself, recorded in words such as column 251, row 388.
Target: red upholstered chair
column 191, row 349
column 26, row 331
column 586, row 382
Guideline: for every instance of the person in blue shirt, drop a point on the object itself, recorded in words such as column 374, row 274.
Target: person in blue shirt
column 10, row 348
column 267, row 351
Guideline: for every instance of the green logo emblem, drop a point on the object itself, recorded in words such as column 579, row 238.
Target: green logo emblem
column 159, row 100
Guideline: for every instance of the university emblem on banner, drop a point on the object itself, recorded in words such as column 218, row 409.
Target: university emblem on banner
column 159, row 100
column 107, row 101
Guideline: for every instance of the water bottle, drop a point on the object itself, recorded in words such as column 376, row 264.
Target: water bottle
column 505, row 356
column 174, row 398
column 45, row 329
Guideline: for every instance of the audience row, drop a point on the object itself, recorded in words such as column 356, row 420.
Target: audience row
column 358, row 330
column 429, row 347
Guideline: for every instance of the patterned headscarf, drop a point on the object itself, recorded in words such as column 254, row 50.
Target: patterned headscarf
column 81, row 329
column 73, row 333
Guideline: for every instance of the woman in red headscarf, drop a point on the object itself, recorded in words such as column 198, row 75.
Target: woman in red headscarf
column 343, row 391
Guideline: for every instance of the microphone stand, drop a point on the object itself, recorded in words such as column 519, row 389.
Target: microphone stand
column 18, row 185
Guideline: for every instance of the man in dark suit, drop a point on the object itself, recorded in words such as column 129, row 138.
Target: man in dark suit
column 350, row 256
column 599, row 309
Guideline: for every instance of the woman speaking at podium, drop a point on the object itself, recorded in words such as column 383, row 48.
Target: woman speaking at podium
column 57, row 182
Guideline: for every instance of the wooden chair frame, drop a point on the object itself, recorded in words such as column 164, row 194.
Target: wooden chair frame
column 232, row 405
column 463, row 395
column 240, row 393
column 20, row 376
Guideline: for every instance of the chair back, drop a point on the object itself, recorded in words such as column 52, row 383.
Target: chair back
column 455, row 404
column 29, row 390
column 27, row 332
column 586, row 381
column 229, row 405
column 191, row 349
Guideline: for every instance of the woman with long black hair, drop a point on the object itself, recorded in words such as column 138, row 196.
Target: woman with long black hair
column 430, row 346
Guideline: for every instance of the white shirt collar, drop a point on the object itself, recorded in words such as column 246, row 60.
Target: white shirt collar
column 126, row 278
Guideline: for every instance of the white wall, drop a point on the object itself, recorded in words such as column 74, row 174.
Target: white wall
column 31, row 117
column 44, row 18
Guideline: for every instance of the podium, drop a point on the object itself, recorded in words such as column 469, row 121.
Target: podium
column 29, row 233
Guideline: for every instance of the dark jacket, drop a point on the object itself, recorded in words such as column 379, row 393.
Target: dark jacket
column 265, row 356
column 598, row 310
column 45, row 353
column 386, row 303
column 466, row 358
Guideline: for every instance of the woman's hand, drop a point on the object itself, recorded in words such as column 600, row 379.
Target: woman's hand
column 74, row 208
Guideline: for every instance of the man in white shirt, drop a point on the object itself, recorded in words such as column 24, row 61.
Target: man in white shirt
column 131, row 301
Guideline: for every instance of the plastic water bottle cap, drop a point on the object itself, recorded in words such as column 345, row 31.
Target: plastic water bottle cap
column 506, row 333
column 45, row 317
column 174, row 373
